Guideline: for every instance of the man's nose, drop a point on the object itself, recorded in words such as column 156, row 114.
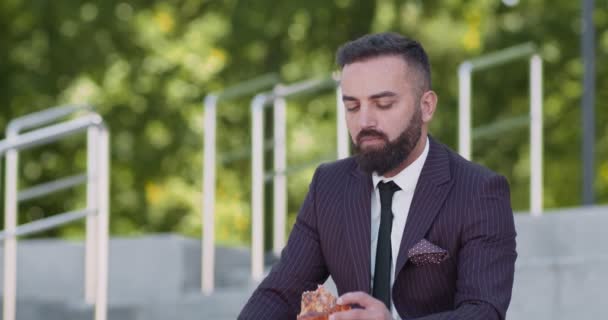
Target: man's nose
column 367, row 117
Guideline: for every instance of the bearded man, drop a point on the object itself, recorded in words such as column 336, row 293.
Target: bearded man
column 406, row 228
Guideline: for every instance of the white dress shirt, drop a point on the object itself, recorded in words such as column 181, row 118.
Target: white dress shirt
column 402, row 199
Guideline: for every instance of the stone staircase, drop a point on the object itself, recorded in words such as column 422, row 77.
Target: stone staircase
column 153, row 277
column 561, row 273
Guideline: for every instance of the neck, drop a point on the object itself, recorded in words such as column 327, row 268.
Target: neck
column 418, row 149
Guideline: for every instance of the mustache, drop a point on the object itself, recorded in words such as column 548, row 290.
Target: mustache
column 370, row 133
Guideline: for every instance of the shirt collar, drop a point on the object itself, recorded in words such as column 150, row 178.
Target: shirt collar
column 407, row 178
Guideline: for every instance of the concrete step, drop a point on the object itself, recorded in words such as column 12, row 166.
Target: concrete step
column 223, row 304
column 563, row 233
column 61, row 310
column 153, row 268
column 560, row 288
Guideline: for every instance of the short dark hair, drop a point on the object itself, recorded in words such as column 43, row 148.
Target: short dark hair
column 387, row 44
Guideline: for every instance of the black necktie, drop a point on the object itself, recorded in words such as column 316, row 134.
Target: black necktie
column 382, row 271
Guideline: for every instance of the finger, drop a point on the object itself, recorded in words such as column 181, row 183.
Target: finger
column 353, row 314
column 361, row 298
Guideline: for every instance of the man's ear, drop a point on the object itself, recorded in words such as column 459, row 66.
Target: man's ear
column 428, row 103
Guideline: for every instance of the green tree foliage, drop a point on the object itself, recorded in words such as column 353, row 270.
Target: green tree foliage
column 146, row 66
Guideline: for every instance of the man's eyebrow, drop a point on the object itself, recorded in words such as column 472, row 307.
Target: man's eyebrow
column 383, row 94
column 349, row 98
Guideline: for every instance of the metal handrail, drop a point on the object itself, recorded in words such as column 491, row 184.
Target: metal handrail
column 276, row 99
column 96, row 213
column 44, row 117
column 52, row 187
column 46, row 223
column 465, row 71
column 503, row 56
column 49, row 134
column 209, row 154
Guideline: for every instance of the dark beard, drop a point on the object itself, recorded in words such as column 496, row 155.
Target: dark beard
column 393, row 153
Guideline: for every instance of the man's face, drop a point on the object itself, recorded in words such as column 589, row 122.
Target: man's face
column 383, row 112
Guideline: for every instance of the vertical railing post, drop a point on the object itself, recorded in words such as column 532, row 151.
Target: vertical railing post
column 464, row 110
column 257, row 187
column 10, row 243
column 280, row 165
column 90, row 251
column 341, row 128
column 103, row 214
column 208, row 239
column 588, row 106
column 536, row 135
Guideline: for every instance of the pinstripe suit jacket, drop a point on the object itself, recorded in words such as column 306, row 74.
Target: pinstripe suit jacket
column 460, row 206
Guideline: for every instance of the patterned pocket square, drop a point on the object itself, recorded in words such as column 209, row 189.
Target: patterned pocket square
column 425, row 252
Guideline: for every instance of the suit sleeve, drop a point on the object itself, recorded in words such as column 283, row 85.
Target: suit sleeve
column 300, row 268
column 487, row 257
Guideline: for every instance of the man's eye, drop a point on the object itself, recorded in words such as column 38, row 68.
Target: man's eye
column 352, row 108
column 384, row 106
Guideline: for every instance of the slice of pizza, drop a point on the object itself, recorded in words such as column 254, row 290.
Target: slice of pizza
column 319, row 304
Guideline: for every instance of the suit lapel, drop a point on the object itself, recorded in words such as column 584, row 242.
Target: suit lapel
column 431, row 190
column 358, row 219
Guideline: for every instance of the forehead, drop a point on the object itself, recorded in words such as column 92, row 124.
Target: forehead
column 367, row 77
